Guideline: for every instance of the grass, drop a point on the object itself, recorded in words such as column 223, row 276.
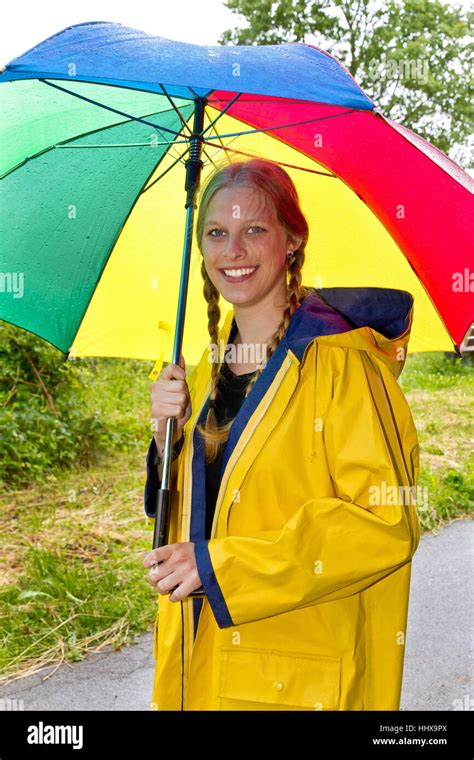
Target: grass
column 72, row 577
column 71, row 548
column 440, row 394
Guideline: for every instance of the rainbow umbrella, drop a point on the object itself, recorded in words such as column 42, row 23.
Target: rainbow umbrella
column 97, row 125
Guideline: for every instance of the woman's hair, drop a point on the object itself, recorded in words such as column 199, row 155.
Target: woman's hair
column 277, row 188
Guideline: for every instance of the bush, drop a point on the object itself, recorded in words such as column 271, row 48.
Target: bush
column 56, row 414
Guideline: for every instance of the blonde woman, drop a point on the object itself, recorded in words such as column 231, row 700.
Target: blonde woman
column 296, row 460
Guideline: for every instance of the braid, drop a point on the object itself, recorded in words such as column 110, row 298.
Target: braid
column 295, row 292
column 213, row 435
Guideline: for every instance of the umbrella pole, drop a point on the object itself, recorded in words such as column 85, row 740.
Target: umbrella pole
column 193, row 174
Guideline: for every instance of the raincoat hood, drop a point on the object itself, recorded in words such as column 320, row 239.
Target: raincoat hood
column 378, row 320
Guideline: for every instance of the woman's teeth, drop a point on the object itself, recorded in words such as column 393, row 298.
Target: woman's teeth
column 238, row 272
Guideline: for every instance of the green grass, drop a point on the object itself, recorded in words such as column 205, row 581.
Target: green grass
column 440, row 392
column 72, row 546
column 72, row 576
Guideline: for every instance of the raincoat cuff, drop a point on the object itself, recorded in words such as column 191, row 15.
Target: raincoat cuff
column 211, row 585
column 153, row 482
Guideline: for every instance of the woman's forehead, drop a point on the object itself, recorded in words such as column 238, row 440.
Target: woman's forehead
column 244, row 203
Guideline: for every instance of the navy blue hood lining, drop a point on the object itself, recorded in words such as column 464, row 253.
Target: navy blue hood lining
column 386, row 310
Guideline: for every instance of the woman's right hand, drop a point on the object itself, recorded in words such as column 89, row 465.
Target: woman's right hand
column 170, row 398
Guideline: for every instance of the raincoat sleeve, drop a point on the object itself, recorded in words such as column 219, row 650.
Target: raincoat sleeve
column 336, row 545
column 153, row 482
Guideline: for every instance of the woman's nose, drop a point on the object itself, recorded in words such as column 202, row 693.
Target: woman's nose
column 234, row 247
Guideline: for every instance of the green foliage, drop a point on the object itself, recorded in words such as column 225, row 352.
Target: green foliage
column 432, row 370
column 450, row 495
column 412, row 57
column 71, row 571
column 56, row 414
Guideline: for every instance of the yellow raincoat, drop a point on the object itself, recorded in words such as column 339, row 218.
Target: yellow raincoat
column 307, row 571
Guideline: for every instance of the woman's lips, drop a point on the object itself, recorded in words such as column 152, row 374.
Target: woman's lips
column 242, row 278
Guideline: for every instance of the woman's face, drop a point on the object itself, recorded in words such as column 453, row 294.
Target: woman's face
column 241, row 232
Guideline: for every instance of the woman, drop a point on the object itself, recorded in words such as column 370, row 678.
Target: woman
column 306, row 561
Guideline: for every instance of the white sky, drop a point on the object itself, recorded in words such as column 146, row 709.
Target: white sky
column 24, row 24
column 199, row 21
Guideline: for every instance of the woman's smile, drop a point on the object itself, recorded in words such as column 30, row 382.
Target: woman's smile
column 240, row 274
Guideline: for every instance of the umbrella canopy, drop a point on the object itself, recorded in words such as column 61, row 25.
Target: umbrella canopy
column 95, row 127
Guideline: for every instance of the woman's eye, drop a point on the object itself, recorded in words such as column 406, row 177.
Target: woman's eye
column 219, row 230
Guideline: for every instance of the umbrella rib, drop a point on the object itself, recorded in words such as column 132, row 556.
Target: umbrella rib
column 179, row 158
column 165, row 172
column 109, row 108
column 106, row 261
column 211, row 160
column 65, row 144
column 280, row 163
column 221, row 113
column 185, row 123
column 293, row 124
column 217, row 134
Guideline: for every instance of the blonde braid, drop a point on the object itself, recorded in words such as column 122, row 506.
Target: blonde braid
column 213, row 435
column 295, row 292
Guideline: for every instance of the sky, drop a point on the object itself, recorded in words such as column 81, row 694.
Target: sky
column 198, row 21
column 24, row 24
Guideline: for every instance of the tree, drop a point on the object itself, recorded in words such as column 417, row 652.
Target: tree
column 412, row 57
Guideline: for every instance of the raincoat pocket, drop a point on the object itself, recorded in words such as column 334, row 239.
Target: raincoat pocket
column 281, row 680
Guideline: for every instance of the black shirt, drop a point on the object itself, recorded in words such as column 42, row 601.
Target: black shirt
column 228, row 402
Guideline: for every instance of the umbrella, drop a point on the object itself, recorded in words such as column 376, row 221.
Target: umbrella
column 106, row 131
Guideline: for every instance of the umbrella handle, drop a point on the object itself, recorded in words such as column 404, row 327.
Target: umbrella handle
column 160, row 533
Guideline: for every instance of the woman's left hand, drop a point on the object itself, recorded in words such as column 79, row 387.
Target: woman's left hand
column 177, row 568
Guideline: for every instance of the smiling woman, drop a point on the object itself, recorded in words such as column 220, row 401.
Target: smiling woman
column 280, row 508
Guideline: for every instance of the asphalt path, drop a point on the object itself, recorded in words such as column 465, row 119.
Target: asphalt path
column 438, row 673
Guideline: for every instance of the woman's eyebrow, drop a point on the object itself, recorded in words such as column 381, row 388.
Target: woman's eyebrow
column 247, row 221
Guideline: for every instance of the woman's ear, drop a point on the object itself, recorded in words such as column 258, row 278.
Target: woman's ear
column 295, row 242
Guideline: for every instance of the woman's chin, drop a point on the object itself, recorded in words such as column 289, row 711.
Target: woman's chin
column 237, row 298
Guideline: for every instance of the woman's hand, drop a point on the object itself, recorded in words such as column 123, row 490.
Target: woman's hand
column 176, row 570
column 170, row 398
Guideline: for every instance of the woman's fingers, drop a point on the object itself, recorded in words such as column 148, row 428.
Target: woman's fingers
column 159, row 554
column 173, row 570
column 169, row 582
column 190, row 583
